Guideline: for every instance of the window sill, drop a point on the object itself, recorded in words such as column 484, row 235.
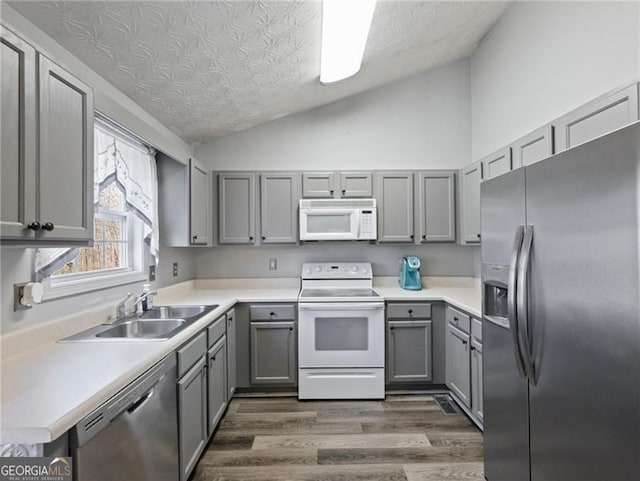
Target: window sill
column 57, row 290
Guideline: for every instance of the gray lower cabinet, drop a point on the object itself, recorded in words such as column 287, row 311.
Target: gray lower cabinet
column 217, row 382
column 437, row 207
column 273, row 352
column 409, row 351
column 279, row 208
column 199, row 184
column 476, row 379
column 231, row 354
column 458, row 368
column 394, row 194
column 470, row 195
column 236, row 208
column 18, row 149
column 318, row 184
column 496, row 164
column 356, row 184
column 47, row 149
column 599, row 117
column 533, row 147
column 192, row 418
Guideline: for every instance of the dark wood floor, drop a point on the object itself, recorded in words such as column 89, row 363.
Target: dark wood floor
column 404, row 438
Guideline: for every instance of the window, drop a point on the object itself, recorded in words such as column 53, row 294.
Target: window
column 125, row 222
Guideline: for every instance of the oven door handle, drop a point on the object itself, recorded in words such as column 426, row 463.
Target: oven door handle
column 337, row 306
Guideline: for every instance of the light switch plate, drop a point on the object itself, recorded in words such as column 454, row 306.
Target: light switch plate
column 152, row 273
column 175, row 269
column 273, row 264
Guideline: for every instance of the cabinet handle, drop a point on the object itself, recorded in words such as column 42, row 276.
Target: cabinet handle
column 264, row 238
column 472, row 348
column 48, row 226
column 455, row 319
column 424, row 237
column 195, row 237
column 250, row 237
column 411, row 236
column 291, row 328
column 272, row 313
column 331, row 191
column 478, row 235
column 391, row 328
column 344, row 191
column 34, row 226
column 464, row 342
column 410, row 311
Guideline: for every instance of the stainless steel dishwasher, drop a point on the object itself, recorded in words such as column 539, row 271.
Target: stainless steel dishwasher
column 134, row 435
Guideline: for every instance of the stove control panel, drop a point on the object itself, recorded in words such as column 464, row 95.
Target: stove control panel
column 337, row 270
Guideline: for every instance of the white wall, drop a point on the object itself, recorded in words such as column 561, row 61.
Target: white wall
column 421, row 122
column 543, row 59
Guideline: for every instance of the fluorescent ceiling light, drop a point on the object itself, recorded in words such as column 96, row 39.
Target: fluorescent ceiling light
column 345, row 28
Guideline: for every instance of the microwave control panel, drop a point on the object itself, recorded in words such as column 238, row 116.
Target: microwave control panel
column 368, row 224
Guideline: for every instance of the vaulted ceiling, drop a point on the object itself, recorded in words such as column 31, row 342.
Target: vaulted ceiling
column 210, row 68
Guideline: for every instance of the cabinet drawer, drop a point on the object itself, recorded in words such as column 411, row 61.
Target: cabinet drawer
column 409, row 311
column 476, row 329
column 459, row 319
column 191, row 353
column 216, row 330
column 272, row 312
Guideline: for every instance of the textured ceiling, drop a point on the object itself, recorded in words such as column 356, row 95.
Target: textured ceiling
column 210, row 68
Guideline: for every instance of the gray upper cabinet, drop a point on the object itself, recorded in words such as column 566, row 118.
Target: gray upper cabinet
column 599, row 117
column 458, row 368
column 437, row 207
column 470, row 195
column 356, row 184
column 47, row 150
column 533, row 147
column 497, row 163
column 273, row 352
column 65, row 161
column 279, row 208
column 236, row 215
column 18, row 150
column 409, row 351
column 199, row 202
column 231, row 354
column 394, row 193
column 318, row 184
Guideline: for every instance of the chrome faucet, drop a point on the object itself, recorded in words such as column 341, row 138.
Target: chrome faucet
column 121, row 308
column 143, row 296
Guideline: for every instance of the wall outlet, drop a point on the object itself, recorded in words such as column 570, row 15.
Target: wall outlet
column 175, row 269
column 152, row 273
column 273, row 264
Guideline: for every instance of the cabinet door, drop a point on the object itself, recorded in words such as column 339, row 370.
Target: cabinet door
column 279, row 208
column 437, row 207
column 496, row 164
column 237, row 208
column 199, row 202
column 65, row 161
column 409, row 351
column 18, row 150
column 273, row 353
column 476, row 379
column 471, row 179
column 395, row 206
column 599, row 117
column 217, row 382
column 356, row 184
column 192, row 407
column 458, row 369
column 536, row 146
column 231, row 354
column 318, row 184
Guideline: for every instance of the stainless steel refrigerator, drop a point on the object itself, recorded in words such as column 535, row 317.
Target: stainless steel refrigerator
column 561, row 315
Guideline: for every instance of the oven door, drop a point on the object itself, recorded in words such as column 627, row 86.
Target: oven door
column 329, row 224
column 341, row 334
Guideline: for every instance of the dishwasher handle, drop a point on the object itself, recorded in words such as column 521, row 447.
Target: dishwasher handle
column 130, row 399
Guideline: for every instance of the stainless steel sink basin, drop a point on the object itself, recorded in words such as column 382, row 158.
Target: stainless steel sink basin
column 144, row 329
column 176, row 312
column 157, row 324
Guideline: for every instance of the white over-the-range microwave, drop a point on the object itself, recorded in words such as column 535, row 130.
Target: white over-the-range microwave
column 338, row 219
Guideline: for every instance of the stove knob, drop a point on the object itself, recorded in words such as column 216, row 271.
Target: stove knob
column 364, row 271
column 354, row 269
column 308, row 270
column 318, row 268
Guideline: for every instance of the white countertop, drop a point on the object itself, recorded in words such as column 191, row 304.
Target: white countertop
column 45, row 391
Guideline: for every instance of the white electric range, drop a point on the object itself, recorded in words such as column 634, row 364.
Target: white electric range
column 340, row 333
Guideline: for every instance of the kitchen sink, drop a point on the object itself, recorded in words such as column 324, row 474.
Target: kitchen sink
column 157, row 324
column 148, row 329
column 176, row 312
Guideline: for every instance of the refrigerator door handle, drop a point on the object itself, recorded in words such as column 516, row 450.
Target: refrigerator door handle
column 511, row 297
column 522, row 307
